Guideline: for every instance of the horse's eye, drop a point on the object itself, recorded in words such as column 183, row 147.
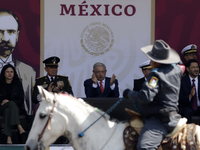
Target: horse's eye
column 42, row 115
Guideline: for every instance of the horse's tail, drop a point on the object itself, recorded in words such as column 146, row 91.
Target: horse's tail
column 197, row 134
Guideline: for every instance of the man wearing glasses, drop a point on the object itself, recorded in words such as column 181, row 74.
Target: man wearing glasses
column 100, row 85
column 189, row 104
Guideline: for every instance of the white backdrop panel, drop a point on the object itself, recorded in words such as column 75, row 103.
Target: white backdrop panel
column 114, row 39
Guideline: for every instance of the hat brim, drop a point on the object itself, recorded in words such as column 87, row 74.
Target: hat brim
column 172, row 58
column 51, row 65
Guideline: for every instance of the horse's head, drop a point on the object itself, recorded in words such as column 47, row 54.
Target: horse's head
column 48, row 124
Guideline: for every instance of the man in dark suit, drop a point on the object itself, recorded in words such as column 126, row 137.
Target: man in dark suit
column 189, row 104
column 146, row 69
column 100, row 85
column 51, row 82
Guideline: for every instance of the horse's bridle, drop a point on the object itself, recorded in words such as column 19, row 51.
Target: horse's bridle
column 48, row 121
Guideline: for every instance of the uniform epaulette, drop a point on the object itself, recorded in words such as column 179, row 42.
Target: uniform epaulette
column 62, row 76
column 40, row 77
column 155, row 70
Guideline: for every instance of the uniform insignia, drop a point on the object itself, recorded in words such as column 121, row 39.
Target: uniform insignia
column 153, row 82
column 45, row 85
column 61, row 83
column 192, row 47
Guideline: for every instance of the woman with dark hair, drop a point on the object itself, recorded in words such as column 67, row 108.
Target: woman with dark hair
column 11, row 100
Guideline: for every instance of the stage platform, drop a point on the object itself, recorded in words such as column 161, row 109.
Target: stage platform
column 21, row 147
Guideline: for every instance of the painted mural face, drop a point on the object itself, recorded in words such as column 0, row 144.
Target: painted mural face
column 8, row 34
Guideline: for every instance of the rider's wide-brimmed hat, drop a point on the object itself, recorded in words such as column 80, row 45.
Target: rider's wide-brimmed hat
column 161, row 52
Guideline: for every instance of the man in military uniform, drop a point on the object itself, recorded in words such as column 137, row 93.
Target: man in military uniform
column 190, row 52
column 158, row 98
column 146, row 69
column 51, row 82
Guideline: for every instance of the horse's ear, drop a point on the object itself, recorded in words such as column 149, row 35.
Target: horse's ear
column 42, row 92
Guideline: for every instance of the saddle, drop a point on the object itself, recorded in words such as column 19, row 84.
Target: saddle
column 183, row 137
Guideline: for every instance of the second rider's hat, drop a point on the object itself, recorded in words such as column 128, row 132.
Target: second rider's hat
column 145, row 65
column 192, row 48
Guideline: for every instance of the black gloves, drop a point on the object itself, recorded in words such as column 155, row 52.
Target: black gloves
column 125, row 93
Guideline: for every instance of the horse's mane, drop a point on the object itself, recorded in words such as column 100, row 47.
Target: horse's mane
column 82, row 103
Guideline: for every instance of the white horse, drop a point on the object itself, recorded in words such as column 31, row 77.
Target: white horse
column 72, row 116
column 65, row 115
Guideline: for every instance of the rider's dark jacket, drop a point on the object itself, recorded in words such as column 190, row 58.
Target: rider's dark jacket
column 160, row 92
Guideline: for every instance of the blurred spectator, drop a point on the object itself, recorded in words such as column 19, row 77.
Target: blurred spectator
column 11, row 100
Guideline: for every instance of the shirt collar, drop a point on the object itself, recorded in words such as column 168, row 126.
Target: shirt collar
column 103, row 81
column 50, row 77
column 196, row 79
column 6, row 60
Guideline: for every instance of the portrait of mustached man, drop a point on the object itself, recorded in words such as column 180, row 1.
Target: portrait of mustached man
column 9, row 34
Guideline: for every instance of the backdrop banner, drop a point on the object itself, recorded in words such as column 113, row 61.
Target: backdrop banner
column 26, row 54
column 82, row 33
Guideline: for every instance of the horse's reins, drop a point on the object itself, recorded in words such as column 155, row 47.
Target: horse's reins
column 80, row 134
column 48, row 121
column 107, row 112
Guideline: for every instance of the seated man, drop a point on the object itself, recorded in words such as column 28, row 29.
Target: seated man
column 51, row 82
column 189, row 103
column 146, row 69
column 100, row 85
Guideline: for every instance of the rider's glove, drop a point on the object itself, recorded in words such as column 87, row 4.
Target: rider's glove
column 125, row 93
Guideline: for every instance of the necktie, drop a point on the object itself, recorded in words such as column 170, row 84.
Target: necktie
column 194, row 105
column 51, row 79
column 101, row 86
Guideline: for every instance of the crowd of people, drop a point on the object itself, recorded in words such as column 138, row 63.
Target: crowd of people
column 163, row 95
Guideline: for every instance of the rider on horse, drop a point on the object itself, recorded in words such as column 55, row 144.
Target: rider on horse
column 158, row 99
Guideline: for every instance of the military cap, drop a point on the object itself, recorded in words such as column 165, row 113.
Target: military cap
column 52, row 61
column 192, row 48
column 145, row 65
